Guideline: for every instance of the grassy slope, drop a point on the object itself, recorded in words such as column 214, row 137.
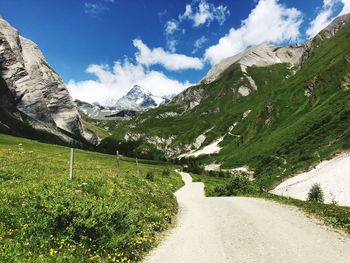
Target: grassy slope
column 285, row 131
column 44, row 217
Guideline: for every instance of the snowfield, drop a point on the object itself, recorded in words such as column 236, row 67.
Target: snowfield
column 333, row 176
column 209, row 149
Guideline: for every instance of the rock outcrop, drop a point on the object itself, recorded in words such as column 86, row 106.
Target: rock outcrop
column 34, row 99
column 260, row 55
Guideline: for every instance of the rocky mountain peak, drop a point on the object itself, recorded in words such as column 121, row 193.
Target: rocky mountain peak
column 137, row 92
column 40, row 100
column 138, row 99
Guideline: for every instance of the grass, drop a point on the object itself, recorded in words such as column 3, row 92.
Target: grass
column 331, row 214
column 96, row 217
column 210, row 183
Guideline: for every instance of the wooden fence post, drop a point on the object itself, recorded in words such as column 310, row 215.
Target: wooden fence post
column 118, row 164
column 137, row 167
column 71, row 163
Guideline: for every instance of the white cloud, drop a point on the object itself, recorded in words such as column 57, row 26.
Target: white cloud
column 198, row 44
column 116, row 82
column 171, row 26
column 326, row 15
column 346, row 7
column 170, row 61
column 201, row 12
column 270, row 21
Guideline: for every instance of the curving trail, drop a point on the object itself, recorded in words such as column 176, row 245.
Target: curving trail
column 237, row 229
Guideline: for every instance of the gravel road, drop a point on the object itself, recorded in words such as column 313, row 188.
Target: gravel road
column 237, row 229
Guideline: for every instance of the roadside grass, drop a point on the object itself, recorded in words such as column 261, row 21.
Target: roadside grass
column 331, row 214
column 96, row 217
column 211, row 183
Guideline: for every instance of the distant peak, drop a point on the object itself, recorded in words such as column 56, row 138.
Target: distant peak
column 138, row 89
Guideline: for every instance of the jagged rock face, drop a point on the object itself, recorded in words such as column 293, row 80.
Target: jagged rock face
column 190, row 98
column 35, row 89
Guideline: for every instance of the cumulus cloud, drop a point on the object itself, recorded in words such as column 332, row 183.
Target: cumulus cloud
column 170, row 61
column 198, row 44
column 270, row 21
column 113, row 83
column 326, row 15
column 199, row 12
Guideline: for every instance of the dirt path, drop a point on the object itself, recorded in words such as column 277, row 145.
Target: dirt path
column 237, row 229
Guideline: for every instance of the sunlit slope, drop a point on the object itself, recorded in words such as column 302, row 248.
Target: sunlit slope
column 44, row 217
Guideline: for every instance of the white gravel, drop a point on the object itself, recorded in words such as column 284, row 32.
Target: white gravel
column 333, row 176
column 237, row 229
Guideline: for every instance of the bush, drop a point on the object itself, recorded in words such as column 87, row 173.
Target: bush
column 150, row 176
column 316, row 193
column 166, row 172
column 237, row 185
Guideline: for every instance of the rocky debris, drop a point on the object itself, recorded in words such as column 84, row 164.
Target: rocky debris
column 244, row 91
column 37, row 98
column 269, row 110
column 245, row 114
column 167, row 115
column 346, row 82
column 309, row 90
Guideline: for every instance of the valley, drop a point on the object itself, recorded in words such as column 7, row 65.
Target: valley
column 249, row 163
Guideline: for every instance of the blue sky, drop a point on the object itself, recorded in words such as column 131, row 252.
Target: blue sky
column 103, row 47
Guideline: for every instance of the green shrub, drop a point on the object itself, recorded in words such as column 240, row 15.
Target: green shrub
column 316, row 193
column 166, row 172
column 237, row 185
column 150, row 175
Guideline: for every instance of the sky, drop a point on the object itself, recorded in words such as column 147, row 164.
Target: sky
column 102, row 48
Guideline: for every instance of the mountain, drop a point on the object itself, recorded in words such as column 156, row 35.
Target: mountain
column 34, row 101
column 136, row 100
column 139, row 99
column 270, row 109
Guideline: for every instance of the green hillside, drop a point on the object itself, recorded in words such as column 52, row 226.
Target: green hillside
column 44, row 217
column 294, row 119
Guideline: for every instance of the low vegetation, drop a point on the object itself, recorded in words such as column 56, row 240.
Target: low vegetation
column 316, row 194
column 97, row 216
